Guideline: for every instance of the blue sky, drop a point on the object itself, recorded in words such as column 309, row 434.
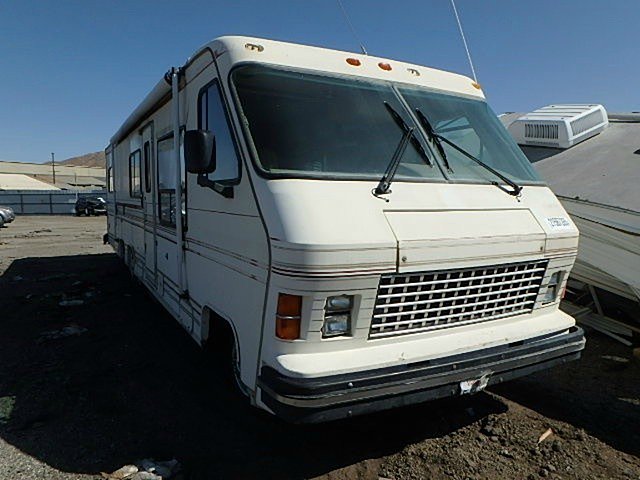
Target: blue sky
column 73, row 70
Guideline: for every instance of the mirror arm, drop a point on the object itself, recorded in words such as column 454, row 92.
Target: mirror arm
column 225, row 190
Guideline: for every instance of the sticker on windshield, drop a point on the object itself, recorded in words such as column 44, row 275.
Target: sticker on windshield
column 559, row 223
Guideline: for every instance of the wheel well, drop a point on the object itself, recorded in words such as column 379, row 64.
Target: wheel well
column 218, row 335
column 218, row 340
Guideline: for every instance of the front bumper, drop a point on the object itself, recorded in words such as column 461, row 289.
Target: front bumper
column 314, row 400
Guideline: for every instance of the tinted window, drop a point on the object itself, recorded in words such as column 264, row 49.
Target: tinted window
column 110, row 179
column 322, row 126
column 167, row 181
column 135, row 187
column 213, row 118
column 471, row 125
column 147, row 167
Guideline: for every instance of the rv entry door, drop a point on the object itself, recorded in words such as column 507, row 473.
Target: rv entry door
column 149, row 202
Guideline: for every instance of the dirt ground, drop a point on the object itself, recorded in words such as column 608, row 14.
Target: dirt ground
column 90, row 387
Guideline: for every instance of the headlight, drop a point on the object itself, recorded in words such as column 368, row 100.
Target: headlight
column 335, row 325
column 340, row 303
column 337, row 316
column 553, row 287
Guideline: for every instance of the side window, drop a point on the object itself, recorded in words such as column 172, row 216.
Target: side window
column 110, row 183
column 135, row 187
column 147, row 166
column 167, row 180
column 110, row 179
column 212, row 116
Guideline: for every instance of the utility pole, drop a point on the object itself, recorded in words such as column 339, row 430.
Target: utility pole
column 53, row 167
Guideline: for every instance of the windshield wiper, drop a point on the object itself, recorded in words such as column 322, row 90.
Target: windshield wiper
column 385, row 182
column 414, row 141
column 433, row 137
column 438, row 139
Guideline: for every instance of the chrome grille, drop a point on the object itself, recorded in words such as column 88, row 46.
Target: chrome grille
column 423, row 301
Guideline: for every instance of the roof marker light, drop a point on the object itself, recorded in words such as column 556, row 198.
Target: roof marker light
column 384, row 66
column 354, row 61
column 413, row 71
column 476, row 85
column 254, row 47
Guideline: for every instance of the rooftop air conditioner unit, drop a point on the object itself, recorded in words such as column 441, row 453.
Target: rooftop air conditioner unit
column 559, row 126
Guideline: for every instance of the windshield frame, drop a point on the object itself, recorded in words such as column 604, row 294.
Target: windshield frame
column 394, row 86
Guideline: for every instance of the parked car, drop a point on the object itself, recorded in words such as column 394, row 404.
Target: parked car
column 7, row 215
column 91, row 206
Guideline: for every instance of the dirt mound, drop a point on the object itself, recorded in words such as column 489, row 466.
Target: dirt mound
column 95, row 159
column 506, row 445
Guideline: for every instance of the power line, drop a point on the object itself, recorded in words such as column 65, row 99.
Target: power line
column 353, row 30
column 464, row 40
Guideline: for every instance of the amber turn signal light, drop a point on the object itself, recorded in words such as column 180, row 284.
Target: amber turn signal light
column 288, row 316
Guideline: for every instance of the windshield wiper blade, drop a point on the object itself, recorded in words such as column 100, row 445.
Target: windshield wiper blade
column 384, row 185
column 385, row 182
column 433, row 137
column 438, row 139
column 414, row 141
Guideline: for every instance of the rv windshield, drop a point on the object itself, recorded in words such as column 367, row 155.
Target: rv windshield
column 310, row 125
column 471, row 125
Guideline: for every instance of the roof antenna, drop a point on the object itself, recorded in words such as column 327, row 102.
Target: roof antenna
column 464, row 40
column 353, row 30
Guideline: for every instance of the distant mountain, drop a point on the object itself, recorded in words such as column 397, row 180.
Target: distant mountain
column 95, row 159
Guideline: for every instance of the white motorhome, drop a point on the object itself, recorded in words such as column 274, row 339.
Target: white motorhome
column 364, row 231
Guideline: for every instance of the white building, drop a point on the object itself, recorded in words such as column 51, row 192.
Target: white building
column 67, row 177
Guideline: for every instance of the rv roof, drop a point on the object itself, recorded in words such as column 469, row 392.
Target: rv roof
column 234, row 50
column 249, row 49
column 603, row 169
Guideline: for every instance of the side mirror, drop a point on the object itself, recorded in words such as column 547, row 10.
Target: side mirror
column 200, row 151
